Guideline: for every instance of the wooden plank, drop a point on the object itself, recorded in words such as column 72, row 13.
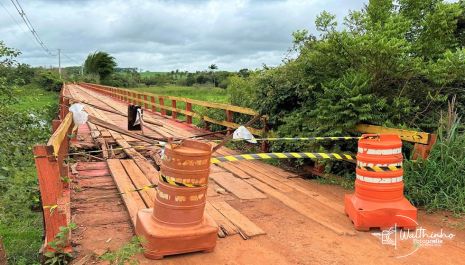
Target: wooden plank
column 263, row 166
column 91, row 165
column 149, row 171
column 120, row 130
column 216, row 169
column 315, row 196
column 234, row 170
column 139, row 180
column 144, row 165
column 236, row 186
column 51, row 190
column 132, row 200
column 61, row 133
column 240, row 169
column 301, row 208
column 238, row 219
column 220, row 220
column 406, row 135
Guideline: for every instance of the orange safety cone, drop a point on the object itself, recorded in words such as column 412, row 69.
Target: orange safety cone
column 177, row 223
column 378, row 201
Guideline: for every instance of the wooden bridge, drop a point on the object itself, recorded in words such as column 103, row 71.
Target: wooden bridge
column 266, row 215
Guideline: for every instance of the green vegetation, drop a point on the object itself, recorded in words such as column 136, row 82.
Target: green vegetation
column 25, row 113
column 392, row 65
column 124, row 255
column 439, row 181
column 211, row 94
column 60, row 254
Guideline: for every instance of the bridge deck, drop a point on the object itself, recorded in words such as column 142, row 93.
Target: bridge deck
column 285, row 219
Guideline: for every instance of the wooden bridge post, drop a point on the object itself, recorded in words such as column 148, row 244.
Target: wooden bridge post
column 2, row 252
column 423, row 150
column 55, row 124
column 174, row 114
column 152, row 99
column 139, row 100
column 65, row 107
column 229, row 118
column 162, row 104
column 189, row 109
column 146, row 106
column 265, row 144
column 51, row 190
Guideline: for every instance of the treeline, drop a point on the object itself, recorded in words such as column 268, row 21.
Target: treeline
column 100, row 67
column 24, row 74
column 215, row 79
column 131, row 78
column 394, row 65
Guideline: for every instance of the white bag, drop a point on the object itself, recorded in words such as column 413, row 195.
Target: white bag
column 244, row 134
column 79, row 115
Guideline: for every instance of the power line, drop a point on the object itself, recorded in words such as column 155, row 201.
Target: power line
column 29, row 25
column 15, row 20
column 70, row 58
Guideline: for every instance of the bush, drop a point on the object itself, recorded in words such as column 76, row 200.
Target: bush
column 389, row 65
column 438, row 183
column 50, row 81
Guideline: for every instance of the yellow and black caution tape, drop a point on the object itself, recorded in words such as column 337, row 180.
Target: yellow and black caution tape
column 137, row 147
column 299, row 139
column 259, row 156
column 51, row 207
column 146, row 187
column 179, row 184
column 380, row 168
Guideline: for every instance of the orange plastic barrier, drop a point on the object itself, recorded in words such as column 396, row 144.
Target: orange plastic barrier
column 378, row 201
column 177, row 223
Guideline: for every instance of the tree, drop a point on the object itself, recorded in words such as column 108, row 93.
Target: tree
column 393, row 63
column 212, row 68
column 7, row 60
column 101, row 64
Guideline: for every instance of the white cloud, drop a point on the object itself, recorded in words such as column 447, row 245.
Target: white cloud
column 166, row 35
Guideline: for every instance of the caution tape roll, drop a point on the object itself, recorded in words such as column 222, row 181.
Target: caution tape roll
column 380, row 168
column 168, row 180
column 231, row 158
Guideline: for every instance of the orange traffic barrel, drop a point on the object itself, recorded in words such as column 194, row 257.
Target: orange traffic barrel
column 378, row 201
column 177, row 223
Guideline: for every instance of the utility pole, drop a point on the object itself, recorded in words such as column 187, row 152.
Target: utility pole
column 59, row 62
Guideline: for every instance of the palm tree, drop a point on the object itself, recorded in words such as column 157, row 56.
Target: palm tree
column 100, row 63
column 212, row 68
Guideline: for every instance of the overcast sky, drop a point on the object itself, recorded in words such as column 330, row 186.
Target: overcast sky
column 164, row 35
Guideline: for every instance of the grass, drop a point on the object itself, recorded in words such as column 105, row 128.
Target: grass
column 438, row 183
column 23, row 123
column 32, row 97
column 149, row 74
column 204, row 93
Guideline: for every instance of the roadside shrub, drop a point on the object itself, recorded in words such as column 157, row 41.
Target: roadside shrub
column 50, row 81
column 438, row 183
